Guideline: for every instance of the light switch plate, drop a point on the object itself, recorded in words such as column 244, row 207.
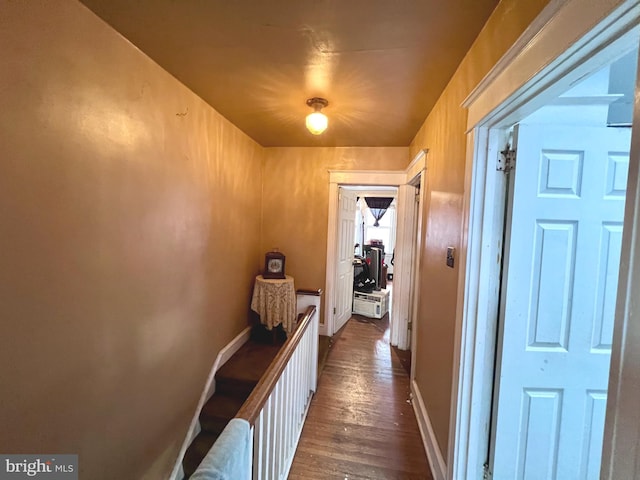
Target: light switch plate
column 451, row 253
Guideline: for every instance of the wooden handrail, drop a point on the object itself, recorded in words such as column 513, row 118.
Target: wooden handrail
column 253, row 405
column 316, row 292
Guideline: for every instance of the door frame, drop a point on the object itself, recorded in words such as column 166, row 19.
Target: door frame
column 414, row 220
column 567, row 41
column 373, row 178
column 405, row 285
column 337, row 179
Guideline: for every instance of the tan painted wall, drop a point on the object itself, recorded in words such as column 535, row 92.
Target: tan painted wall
column 296, row 201
column 129, row 239
column 443, row 133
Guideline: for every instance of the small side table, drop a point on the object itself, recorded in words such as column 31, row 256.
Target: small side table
column 275, row 301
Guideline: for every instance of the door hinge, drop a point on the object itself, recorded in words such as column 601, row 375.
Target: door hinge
column 486, row 473
column 506, row 160
column 409, row 325
column 334, row 310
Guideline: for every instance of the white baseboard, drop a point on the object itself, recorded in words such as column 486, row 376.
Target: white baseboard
column 210, row 387
column 434, row 455
column 223, row 357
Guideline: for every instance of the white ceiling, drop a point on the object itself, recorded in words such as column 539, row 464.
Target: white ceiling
column 382, row 64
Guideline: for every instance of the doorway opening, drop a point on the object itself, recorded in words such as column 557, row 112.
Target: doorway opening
column 548, row 269
column 563, row 234
column 344, row 184
column 374, row 245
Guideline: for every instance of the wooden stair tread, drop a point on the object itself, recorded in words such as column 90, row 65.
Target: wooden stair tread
column 218, row 411
column 249, row 363
column 197, row 451
column 234, row 382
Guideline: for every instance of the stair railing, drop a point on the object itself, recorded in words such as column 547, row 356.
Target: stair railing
column 278, row 405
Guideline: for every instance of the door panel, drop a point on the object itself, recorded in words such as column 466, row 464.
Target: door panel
column 593, row 432
column 607, row 278
column 346, row 235
column 540, row 426
column 551, row 286
column 559, row 291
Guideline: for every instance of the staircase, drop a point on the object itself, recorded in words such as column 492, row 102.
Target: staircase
column 234, row 382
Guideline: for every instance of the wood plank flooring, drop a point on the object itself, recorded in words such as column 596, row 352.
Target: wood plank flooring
column 361, row 423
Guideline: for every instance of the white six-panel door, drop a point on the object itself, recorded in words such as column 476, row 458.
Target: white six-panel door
column 346, row 235
column 559, row 290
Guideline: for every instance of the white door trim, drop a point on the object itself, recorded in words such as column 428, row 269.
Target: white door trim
column 417, row 166
column 337, row 178
column 564, row 47
column 416, row 179
column 407, row 259
column 571, row 43
column 476, row 314
column 326, row 327
column 402, row 263
column 621, row 453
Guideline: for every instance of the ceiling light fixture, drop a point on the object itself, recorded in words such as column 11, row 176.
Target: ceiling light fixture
column 317, row 121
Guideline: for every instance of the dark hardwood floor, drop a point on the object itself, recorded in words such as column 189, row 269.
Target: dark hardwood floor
column 361, row 423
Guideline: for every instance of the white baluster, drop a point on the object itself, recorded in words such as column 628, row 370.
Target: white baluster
column 278, row 427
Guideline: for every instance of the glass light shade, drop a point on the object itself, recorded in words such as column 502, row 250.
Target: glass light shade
column 317, row 122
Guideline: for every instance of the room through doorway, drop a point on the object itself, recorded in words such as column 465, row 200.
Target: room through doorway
column 366, row 243
column 394, row 238
column 563, row 238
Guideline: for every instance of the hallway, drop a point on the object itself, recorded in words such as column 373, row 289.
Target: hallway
column 361, row 423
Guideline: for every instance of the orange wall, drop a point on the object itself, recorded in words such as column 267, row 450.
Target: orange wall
column 129, row 239
column 122, row 199
column 443, row 133
column 296, row 201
